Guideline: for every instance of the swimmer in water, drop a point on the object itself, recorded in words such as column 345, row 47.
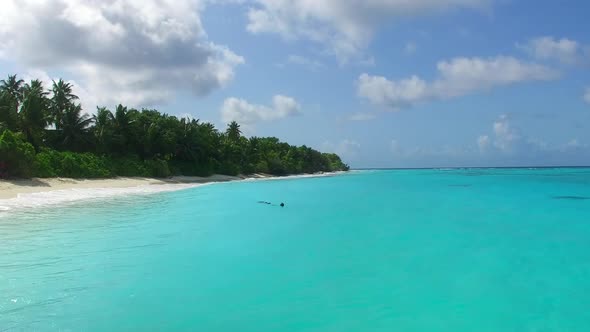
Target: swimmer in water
column 269, row 203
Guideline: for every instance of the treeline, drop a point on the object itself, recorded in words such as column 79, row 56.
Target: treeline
column 44, row 133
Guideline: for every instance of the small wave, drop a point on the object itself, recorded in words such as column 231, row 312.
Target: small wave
column 573, row 198
column 65, row 196
column 302, row 176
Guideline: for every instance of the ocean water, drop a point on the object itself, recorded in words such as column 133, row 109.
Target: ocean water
column 404, row 250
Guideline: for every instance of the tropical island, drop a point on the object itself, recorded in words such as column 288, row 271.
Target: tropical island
column 45, row 133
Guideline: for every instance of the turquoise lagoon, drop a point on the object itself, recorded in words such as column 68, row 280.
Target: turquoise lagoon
column 401, row 250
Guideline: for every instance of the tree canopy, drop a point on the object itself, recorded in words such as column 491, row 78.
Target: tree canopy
column 45, row 133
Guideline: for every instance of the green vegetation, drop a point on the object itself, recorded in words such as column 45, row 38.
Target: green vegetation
column 46, row 134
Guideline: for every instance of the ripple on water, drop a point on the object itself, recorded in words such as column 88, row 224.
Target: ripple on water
column 572, row 198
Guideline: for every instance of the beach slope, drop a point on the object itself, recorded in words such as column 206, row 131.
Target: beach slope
column 12, row 188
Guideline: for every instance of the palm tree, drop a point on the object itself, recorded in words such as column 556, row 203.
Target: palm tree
column 121, row 124
column 13, row 86
column 62, row 99
column 103, row 128
column 34, row 111
column 8, row 111
column 209, row 128
column 233, row 131
column 208, row 142
column 74, row 127
column 188, row 135
column 253, row 148
column 123, row 133
column 11, row 94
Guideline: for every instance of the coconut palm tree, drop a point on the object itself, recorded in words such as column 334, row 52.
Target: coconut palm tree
column 62, row 99
column 13, row 86
column 33, row 113
column 125, row 129
column 8, row 112
column 188, row 136
column 208, row 128
column 233, row 131
column 74, row 128
column 121, row 128
column 103, row 128
column 11, row 96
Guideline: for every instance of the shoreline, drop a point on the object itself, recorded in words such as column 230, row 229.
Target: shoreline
column 36, row 192
column 10, row 189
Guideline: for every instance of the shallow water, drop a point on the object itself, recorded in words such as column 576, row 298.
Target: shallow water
column 412, row 250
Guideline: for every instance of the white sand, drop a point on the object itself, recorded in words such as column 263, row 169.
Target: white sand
column 13, row 188
column 34, row 193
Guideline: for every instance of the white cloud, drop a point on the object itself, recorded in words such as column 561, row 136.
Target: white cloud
column 564, row 50
column 346, row 148
column 381, row 91
column 483, row 142
column 346, row 27
column 86, row 99
column 304, row 61
column 509, row 145
column 506, row 136
column 361, row 116
column 128, row 51
column 576, row 146
column 457, row 77
column 247, row 114
column 587, row 95
column 508, row 140
column 36, row 74
column 505, row 145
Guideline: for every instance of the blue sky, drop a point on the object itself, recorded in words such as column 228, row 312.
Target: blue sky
column 386, row 83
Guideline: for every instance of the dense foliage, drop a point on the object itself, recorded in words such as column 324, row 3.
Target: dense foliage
column 46, row 134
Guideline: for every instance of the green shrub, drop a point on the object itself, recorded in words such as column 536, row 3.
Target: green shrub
column 16, row 156
column 50, row 163
column 129, row 166
column 89, row 165
column 44, row 166
column 248, row 169
column 276, row 167
column 262, row 167
column 189, row 168
column 229, row 168
column 158, row 168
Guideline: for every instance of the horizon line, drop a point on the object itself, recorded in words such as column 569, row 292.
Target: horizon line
column 460, row 167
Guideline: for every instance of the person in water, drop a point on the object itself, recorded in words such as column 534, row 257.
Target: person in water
column 269, row 203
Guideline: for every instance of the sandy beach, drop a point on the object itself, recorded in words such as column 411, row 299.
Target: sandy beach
column 12, row 188
column 37, row 192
